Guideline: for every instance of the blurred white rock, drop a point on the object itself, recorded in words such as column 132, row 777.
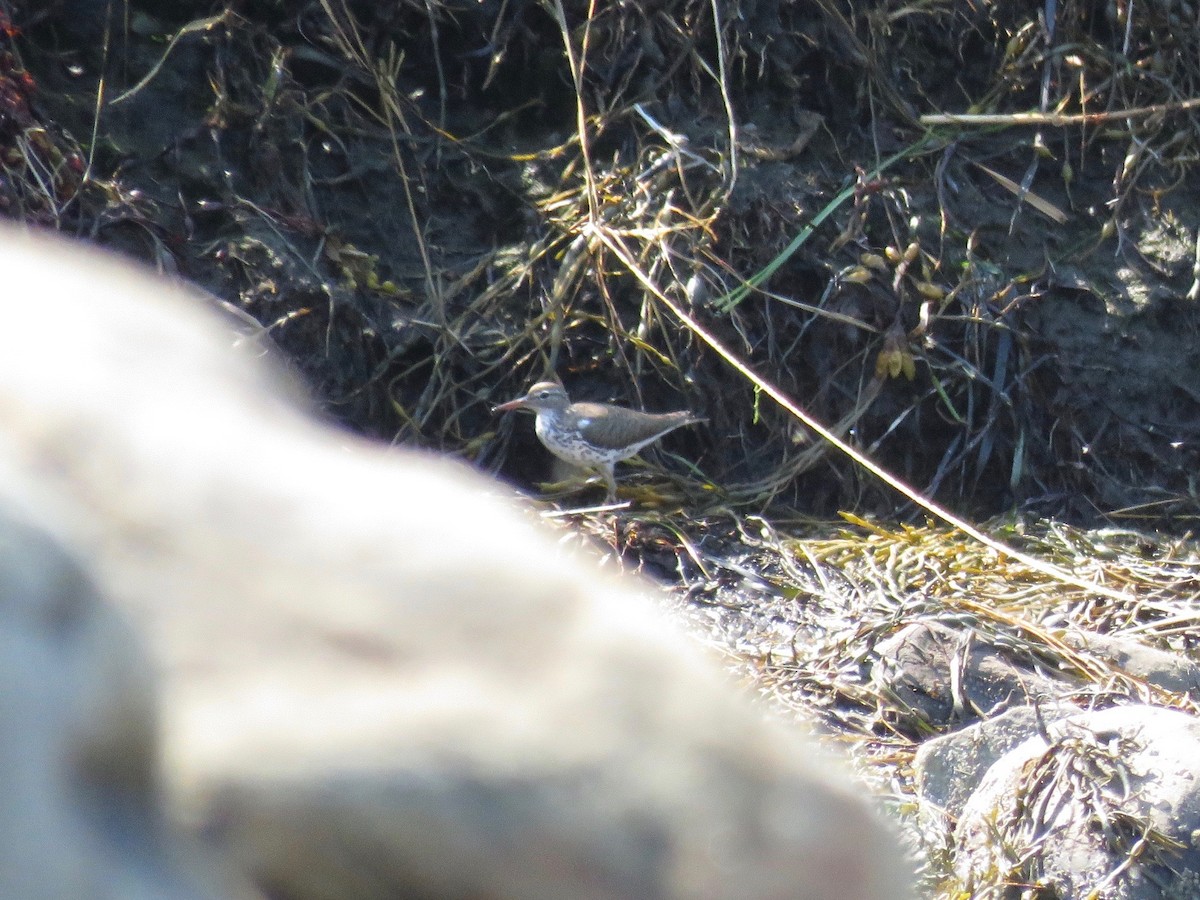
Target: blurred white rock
column 378, row 678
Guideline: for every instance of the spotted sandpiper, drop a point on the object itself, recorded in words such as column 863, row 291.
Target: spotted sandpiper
column 593, row 435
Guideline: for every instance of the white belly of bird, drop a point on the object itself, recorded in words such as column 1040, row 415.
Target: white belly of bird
column 569, row 447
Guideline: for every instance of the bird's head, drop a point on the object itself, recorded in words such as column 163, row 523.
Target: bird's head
column 545, row 396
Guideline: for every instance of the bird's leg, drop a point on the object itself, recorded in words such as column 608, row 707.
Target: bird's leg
column 610, row 480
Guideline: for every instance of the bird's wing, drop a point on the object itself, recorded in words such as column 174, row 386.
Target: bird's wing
column 614, row 427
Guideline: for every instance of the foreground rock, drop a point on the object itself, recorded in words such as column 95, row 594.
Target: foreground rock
column 81, row 814
column 377, row 680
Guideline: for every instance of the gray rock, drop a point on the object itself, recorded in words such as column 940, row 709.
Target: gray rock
column 945, row 674
column 1106, row 805
column 947, row 769
column 380, row 677
column 81, row 814
column 1161, row 668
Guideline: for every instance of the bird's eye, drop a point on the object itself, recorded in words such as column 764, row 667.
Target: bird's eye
column 543, row 395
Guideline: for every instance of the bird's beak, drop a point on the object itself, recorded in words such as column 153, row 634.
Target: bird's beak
column 519, row 403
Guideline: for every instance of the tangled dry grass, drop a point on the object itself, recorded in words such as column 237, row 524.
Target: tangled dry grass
column 675, row 203
column 802, row 615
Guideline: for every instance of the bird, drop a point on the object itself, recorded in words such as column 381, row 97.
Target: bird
column 593, row 435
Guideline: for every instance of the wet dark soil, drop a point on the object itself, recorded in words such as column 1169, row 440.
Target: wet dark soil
column 398, row 193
